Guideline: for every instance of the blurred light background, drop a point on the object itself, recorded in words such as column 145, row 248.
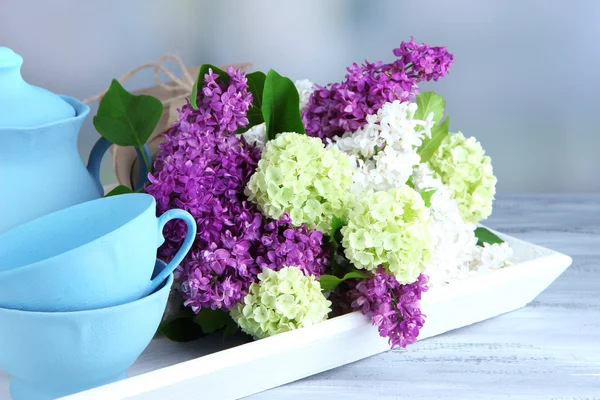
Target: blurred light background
column 525, row 81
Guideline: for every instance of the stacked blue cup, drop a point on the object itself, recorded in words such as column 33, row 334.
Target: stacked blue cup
column 82, row 293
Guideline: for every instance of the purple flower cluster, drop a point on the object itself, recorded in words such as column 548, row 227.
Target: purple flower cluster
column 428, row 63
column 205, row 174
column 342, row 107
column 283, row 245
column 222, row 107
column 203, row 168
column 194, row 171
column 394, row 308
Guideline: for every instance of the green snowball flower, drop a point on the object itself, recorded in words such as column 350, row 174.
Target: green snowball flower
column 298, row 175
column 462, row 165
column 281, row 301
column 392, row 229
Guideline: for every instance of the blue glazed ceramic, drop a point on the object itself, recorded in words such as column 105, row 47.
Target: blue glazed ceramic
column 24, row 105
column 51, row 355
column 92, row 255
column 40, row 168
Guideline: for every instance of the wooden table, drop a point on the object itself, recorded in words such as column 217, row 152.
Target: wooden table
column 548, row 350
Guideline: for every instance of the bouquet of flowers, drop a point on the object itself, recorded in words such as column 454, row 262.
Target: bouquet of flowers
column 313, row 201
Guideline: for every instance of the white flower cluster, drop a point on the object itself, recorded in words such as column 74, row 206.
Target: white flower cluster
column 257, row 135
column 456, row 254
column 384, row 156
column 305, row 89
column 384, row 152
column 454, row 241
column 491, row 257
column 281, row 301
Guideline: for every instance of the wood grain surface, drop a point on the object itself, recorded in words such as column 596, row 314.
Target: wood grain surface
column 547, row 350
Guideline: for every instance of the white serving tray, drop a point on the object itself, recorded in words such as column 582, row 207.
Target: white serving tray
column 208, row 369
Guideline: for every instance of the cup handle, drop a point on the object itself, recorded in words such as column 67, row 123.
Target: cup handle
column 95, row 161
column 183, row 250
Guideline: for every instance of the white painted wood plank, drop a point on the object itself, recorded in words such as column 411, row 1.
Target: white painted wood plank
column 549, row 349
column 338, row 341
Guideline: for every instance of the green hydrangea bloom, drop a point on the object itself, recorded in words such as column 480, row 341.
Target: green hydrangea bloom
column 281, row 301
column 298, row 175
column 462, row 165
column 389, row 228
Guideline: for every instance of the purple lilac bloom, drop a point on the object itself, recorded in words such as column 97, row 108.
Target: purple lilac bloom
column 428, row 63
column 217, row 274
column 203, row 168
column 394, row 308
column 205, row 174
column 343, row 107
column 284, row 245
column 221, row 107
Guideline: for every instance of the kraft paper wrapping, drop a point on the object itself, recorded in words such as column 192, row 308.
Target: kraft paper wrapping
column 125, row 163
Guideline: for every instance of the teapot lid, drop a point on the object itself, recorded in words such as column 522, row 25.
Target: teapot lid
column 24, row 105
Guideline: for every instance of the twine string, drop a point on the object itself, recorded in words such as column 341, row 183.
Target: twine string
column 176, row 84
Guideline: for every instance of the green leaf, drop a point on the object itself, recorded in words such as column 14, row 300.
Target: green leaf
column 335, row 237
column 223, row 77
column 339, row 265
column 336, row 224
column 430, row 102
column 125, row 119
column 281, row 106
column 181, row 329
column 426, row 195
column 121, row 189
column 330, row 282
column 256, row 85
column 483, row 235
column 230, row 328
column 429, row 146
column 212, row 320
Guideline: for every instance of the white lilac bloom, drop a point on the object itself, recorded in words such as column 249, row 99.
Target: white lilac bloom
column 491, row 257
column 454, row 242
column 455, row 252
column 257, row 135
column 383, row 153
column 305, row 90
column 399, row 129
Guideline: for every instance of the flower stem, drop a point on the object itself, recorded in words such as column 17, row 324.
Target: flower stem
column 146, row 161
column 395, row 304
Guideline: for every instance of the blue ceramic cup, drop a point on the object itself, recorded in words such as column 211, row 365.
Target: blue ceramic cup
column 51, row 355
column 93, row 255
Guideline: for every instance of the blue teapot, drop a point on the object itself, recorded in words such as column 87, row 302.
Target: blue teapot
column 40, row 168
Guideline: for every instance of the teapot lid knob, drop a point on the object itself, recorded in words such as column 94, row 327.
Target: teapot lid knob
column 23, row 105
